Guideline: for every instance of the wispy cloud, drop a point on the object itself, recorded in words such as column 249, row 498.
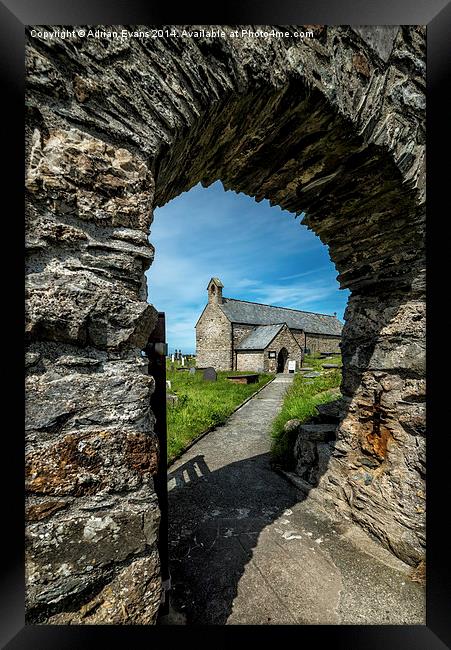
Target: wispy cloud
column 304, row 273
column 295, row 296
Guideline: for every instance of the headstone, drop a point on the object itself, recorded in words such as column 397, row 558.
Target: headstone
column 172, row 358
column 168, row 384
column 291, row 365
column 310, row 375
column 171, row 399
column 210, row 374
column 183, row 361
column 192, row 371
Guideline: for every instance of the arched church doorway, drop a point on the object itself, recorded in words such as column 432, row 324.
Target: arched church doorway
column 282, row 359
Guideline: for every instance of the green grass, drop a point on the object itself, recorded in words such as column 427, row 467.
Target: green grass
column 202, row 405
column 316, row 361
column 300, row 402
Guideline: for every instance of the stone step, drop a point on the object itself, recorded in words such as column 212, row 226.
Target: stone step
column 299, row 482
column 317, row 432
column 311, row 432
column 329, row 412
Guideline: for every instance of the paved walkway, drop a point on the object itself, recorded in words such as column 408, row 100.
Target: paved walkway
column 245, row 550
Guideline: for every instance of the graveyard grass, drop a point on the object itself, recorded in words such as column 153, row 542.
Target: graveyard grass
column 300, row 403
column 202, row 405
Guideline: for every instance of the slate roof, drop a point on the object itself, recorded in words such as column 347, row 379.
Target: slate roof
column 260, row 337
column 253, row 313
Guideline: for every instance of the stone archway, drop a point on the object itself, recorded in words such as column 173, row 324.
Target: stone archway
column 333, row 127
column 282, row 360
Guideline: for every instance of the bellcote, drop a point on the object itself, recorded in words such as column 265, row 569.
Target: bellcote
column 214, row 289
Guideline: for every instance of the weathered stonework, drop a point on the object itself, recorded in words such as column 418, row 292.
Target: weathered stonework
column 322, row 343
column 284, row 339
column 214, row 334
column 251, row 360
column 331, row 126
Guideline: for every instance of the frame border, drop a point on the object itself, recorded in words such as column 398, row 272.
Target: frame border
column 436, row 14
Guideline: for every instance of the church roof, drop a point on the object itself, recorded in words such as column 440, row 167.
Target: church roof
column 253, row 313
column 216, row 281
column 260, row 337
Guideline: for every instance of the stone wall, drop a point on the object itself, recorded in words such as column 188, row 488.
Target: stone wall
column 323, row 343
column 117, row 127
column 251, row 360
column 214, row 339
column 92, row 514
column 299, row 335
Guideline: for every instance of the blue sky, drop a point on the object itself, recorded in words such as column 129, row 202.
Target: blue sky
column 261, row 253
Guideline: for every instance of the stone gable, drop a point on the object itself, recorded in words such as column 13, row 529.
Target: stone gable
column 214, row 339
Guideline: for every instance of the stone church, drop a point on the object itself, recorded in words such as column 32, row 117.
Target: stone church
column 239, row 335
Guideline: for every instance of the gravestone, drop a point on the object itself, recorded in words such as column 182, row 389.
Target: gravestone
column 312, row 374
column 291, row 365
column 210, row 374
column 171, row 400
column 192, row 371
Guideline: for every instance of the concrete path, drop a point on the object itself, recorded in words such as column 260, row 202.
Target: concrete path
column 245, row 549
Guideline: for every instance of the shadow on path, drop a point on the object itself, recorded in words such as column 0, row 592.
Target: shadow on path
column 248, row 547
column 215, row 521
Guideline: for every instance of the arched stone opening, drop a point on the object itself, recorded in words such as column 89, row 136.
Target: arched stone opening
column 333, row 129
column 282, row 359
